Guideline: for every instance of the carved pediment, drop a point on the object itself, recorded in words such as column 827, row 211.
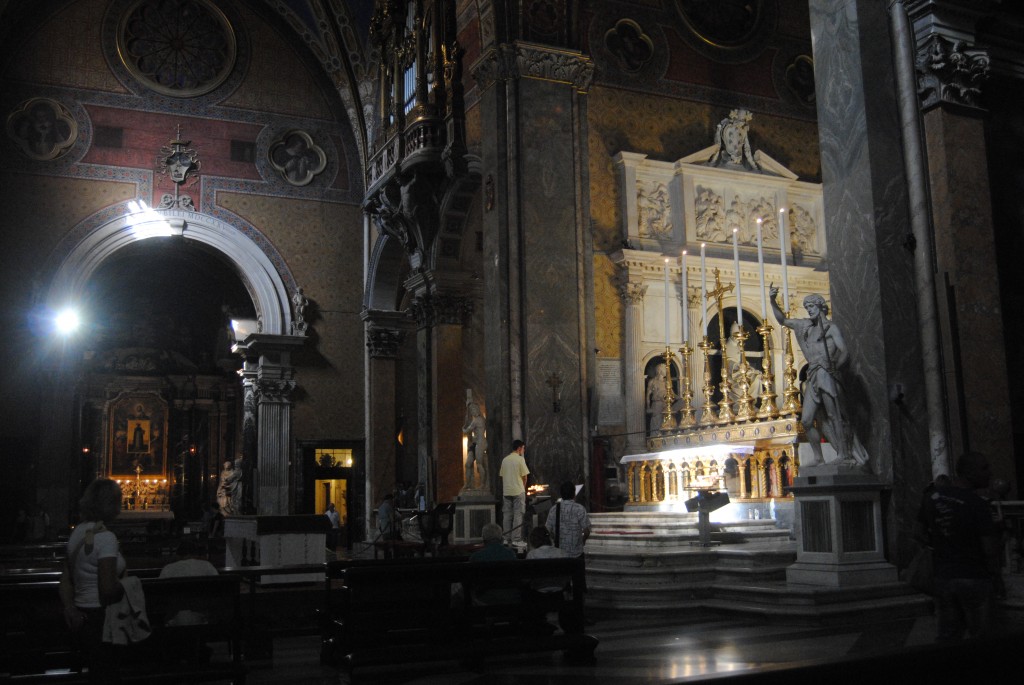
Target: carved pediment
column 703, row 196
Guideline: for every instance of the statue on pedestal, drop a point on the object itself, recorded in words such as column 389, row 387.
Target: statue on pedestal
column 476, row 454
column 229, row 490
column 825, row 350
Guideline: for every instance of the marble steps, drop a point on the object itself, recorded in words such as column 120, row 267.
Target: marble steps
column 820, row 605
column 650, row 563
column 783, row 602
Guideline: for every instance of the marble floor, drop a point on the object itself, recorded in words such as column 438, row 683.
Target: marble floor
column 674, row 649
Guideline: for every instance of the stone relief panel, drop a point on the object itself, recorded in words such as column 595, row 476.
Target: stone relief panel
column 631, row 46
column 297, row 157
column 43, row 129
column 665, row 128
column 653, row 219
column 703, row 199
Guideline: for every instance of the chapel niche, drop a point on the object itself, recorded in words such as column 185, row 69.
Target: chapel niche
column 160, row 406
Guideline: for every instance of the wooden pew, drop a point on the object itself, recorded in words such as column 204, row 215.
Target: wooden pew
column 464, row 611
column 36, row 646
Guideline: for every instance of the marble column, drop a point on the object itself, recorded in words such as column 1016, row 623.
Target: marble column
column 440, row 387
column 250, row 433
column 384, row 334
column 871, row 262
column 632, row 294
column 533, row 97
column 274, row 385
column 449, row 315
column 951, row 73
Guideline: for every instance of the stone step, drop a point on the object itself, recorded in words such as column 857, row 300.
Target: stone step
column 767, row 599
column 669, row 541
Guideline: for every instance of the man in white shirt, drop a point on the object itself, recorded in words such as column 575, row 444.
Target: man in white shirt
column 335, row 518
column 513, row 489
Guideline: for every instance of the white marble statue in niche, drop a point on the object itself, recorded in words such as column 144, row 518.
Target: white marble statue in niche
column 476, row 454
column 655, row 398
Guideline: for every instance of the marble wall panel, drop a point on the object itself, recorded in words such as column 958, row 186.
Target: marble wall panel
column 965, row 257
column 551, row 280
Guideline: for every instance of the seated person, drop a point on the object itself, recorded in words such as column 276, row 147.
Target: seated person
column 191, row 562
column 493, row 550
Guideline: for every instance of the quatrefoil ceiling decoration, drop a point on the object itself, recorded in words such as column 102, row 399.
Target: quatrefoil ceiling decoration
column 181, row 48
column 43, row 129
column 630, row 44
column 297, row 158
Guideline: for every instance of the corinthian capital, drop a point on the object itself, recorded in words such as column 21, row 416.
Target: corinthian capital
column 949, row 71
column 552, row 64
column 432, row 310
column 632, row 293
column 383, row 343
column 497, row 64
column 275, row 389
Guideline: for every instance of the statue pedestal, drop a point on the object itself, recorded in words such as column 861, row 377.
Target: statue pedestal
column 277, row 541
column 473, row 510
column 839, row 528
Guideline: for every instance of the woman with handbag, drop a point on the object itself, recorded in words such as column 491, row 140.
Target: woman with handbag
column 94, row 567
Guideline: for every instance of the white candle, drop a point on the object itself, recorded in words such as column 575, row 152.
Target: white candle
column 686, row 315
column 736, row 264
column 666, row 303
column 785, row 274
column 760, row 266
column 703, row 293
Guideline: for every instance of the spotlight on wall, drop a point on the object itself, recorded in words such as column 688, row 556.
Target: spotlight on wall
column 243, row 328
column 67, row 321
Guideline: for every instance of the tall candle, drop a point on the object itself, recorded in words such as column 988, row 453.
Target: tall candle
column 666, row 302
column 686, row 314
column 760, row 266
column 785, row 274
column 736, row 264
column 703, row 293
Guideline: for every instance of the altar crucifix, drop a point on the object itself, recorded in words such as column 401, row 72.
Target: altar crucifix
column 725, row 413
column 138, row 485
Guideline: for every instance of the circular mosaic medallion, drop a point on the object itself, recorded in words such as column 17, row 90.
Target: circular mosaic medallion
column 181, row 48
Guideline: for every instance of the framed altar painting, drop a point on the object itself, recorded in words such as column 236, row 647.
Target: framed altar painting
column 137, row 441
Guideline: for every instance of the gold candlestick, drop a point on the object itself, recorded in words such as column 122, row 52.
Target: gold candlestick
column 687, row 419
column 745, row 404
column 767, row 410
column 725, row 412
column 707, row 414
column 668, row 422
column 791, row 405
